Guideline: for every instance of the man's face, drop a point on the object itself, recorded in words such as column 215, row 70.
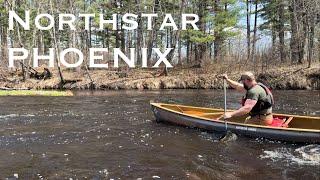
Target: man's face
column 246, row 83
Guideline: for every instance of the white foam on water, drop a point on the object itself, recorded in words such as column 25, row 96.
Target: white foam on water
column 8, row 116
column 207, row 136
column 104, row 172
column 28, row 115
column 305, row 155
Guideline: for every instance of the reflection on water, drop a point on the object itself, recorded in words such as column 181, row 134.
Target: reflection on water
column 112, row 135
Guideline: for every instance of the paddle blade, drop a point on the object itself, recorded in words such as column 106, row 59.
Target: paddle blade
column 228, row 137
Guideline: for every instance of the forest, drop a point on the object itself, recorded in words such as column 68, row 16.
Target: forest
column 232, row 35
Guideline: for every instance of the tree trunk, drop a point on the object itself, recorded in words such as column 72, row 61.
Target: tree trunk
column 139, row 31
column 118, row 39
column 217, row 43
column 54, row 37
column 4, row 45
column 255, row 30
column 188, row 51
column 176, row 36
column 248, row 29
column 179, row 52
column 217, row 47
column 281, row 31
column 153, row 33
column 201, row 47
column 311, row 28
column 297, row 42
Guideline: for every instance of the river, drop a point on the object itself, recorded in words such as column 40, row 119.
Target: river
column 113, row 135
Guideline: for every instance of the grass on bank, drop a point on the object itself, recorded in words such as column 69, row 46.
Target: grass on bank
column 34, row 93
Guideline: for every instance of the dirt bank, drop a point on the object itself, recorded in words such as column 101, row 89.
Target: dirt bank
column 296, row 77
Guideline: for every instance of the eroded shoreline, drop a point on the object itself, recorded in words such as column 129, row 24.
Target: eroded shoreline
column 292, row 78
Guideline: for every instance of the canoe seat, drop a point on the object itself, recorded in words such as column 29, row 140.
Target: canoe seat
column 281, row 122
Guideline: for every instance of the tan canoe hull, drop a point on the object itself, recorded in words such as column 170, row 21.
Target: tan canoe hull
column 301, row 128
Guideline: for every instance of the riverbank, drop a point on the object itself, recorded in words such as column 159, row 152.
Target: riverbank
column 284, row 78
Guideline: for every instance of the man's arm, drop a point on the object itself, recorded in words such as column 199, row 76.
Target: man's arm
column 234, row 84
column 248, row 105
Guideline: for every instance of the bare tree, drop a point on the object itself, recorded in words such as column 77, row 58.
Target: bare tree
column 248, row 4
column 255, row 29
column 55, row 43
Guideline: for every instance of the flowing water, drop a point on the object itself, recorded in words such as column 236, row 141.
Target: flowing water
column 112, row 135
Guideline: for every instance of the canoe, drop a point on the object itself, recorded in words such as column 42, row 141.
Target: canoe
column 293, row 128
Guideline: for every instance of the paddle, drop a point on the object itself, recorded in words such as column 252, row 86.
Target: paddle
column 225, row 103
column 228, row 136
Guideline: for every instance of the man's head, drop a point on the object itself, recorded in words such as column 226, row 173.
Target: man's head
column 248, row 80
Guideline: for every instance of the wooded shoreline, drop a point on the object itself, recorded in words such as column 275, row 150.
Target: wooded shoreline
column 280, row 36
column 282, row 78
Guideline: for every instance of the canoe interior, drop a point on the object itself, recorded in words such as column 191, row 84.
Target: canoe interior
column 300, row 122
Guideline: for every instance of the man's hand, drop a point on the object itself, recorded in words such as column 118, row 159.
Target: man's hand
column 233, row 84
column 224, row 76
column 228, row 115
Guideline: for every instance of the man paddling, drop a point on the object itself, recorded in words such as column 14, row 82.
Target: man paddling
column 257, row 102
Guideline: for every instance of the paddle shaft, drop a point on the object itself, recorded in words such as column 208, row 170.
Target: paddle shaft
column 225, row 96
column 225, row 102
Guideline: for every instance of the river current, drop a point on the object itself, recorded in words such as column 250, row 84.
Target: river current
column 113, row 135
